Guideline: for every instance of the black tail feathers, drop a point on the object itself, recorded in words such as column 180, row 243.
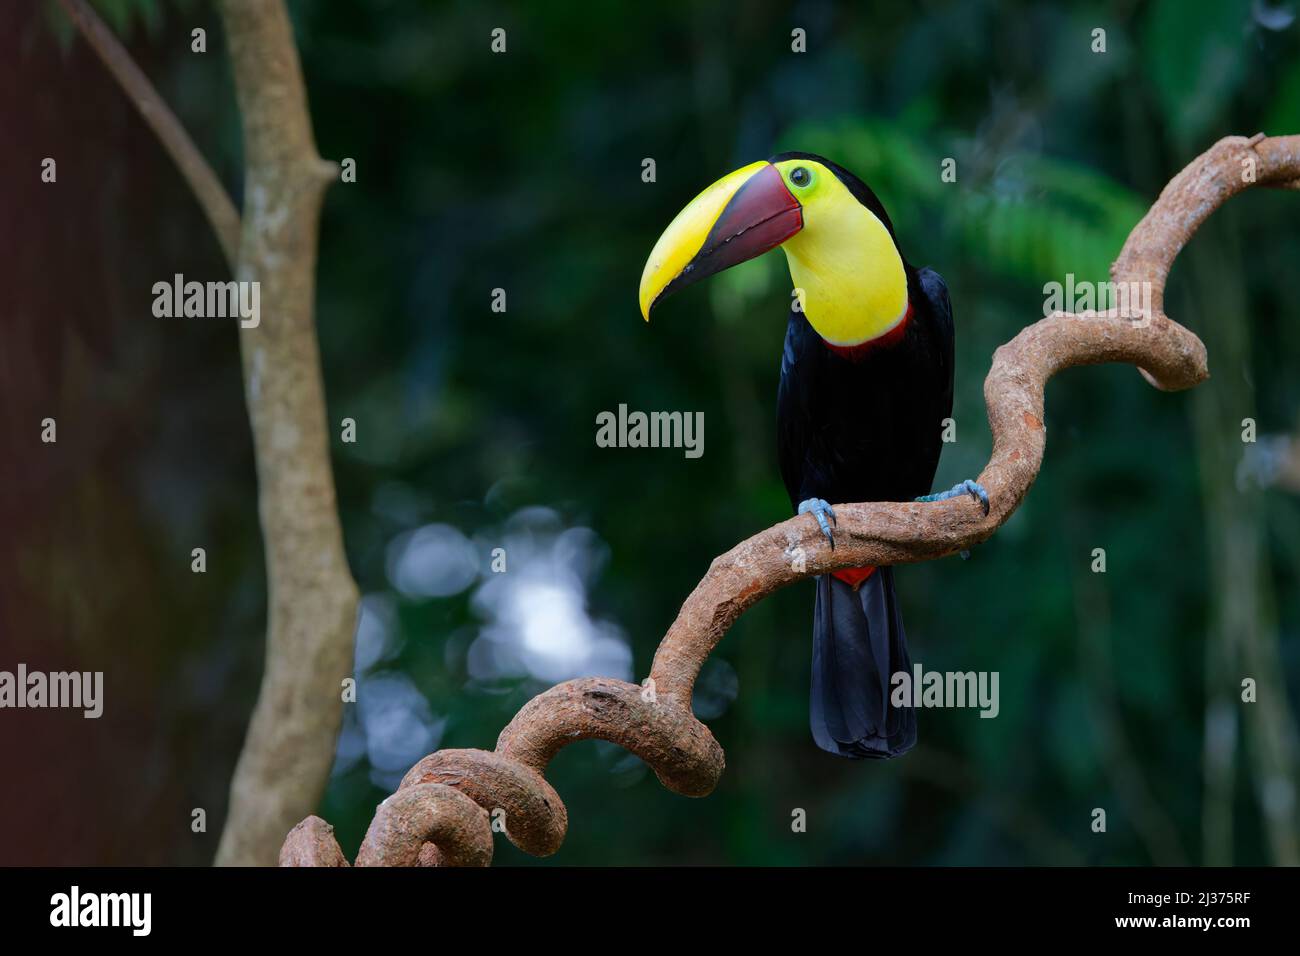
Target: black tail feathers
column 858, row 645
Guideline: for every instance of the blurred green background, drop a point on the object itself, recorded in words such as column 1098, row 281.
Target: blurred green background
column 476, row 429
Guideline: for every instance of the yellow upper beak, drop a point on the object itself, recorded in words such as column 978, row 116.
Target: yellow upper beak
column 742, row 215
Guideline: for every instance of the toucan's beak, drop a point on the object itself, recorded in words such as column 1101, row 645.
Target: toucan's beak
column 739, row 217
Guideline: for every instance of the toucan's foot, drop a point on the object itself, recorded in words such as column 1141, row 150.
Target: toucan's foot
column 819, row 508
column 967, row 487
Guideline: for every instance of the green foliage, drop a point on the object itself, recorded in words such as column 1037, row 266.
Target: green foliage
column 1031, row 216
column 1198, row 53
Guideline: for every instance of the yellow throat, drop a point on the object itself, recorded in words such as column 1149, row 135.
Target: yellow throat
column 844, row 264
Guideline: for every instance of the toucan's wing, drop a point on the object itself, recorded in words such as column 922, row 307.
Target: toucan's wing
column 935, row 291
column 797, row 415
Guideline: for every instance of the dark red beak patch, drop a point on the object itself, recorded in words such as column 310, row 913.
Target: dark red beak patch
column 760, row 216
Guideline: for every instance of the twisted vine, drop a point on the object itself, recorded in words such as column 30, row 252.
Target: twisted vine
column 444, row 808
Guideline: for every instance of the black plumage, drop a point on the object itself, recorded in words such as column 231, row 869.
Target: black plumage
column 864, row 427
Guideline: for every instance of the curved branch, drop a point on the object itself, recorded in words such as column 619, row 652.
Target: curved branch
column 203, row 182
column 656, row 721
column 312, row 843
column 312, row 598
column 422, row 814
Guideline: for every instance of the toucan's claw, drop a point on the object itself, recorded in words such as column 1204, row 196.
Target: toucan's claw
column 820, row 508
column 967, row 487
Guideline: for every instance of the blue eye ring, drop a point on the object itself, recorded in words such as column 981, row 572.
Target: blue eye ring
column 800, row 177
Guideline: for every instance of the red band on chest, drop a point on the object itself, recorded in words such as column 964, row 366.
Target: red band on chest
column 862, row 349
column 853, row 577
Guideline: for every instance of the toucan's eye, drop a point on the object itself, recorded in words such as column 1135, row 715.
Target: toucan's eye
column 799, row 176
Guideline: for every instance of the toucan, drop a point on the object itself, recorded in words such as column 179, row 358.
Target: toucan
column 866, row 384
